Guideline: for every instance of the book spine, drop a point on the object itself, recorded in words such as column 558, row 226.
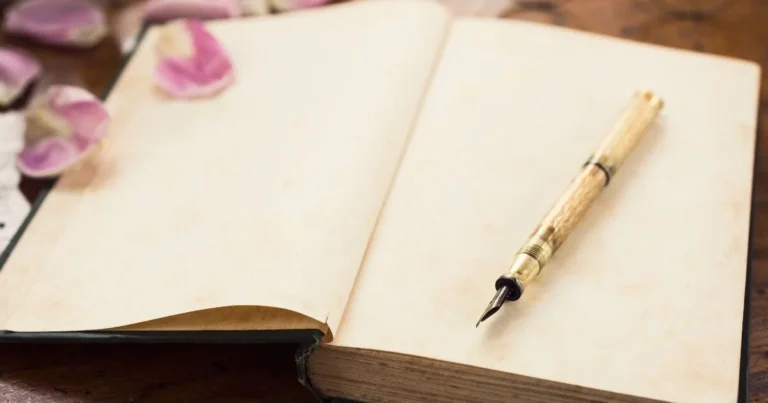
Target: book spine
column 302, row 356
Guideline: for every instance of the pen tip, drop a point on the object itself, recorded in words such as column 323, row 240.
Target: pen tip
column 487, row 314
column 494, row 305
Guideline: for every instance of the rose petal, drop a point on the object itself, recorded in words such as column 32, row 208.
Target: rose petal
column 63, row 125
column 77, row 23
column 166, row 10
column 66, row 111
column 17, row 70
column 191, row 62
column 86, row 115
column 287, row 5
column 48, row 157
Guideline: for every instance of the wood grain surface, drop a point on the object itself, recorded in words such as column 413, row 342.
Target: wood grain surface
column 265, row 373
column 571, row 207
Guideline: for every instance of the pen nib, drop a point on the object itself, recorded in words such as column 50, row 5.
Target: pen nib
column 495, row 304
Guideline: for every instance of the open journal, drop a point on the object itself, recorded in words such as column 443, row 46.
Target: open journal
column 368, row 177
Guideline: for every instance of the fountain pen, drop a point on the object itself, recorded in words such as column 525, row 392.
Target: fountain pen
column 561, row 219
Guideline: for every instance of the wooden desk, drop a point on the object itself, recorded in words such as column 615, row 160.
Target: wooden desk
column 265, row 373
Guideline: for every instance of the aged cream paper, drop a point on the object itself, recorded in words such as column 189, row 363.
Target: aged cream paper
column 646, row 296
column 263, row 196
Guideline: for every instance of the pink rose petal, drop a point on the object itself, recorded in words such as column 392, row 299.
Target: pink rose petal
column 166, row 10
column 83, row 111
column 48, row 157
column 77, row 23
column 191, row 62
column 63, row 125
column 287, row 5
column 17, row 71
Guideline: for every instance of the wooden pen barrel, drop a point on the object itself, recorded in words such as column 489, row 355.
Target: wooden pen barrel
column 622, row 139
column 563, row 217
column 571, row 207
column 626, row 133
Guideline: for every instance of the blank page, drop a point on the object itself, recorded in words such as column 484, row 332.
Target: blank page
column 263, row 196
column 646, row 297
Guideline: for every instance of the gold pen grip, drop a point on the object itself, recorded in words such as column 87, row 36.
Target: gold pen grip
column 626, row 132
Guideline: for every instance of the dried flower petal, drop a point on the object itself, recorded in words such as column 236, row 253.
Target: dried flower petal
column 191, row 62
column 63, row 125
column 77, row 23
column 287, row 5
column 17, row 71
column 166, row 10
column 49, row 157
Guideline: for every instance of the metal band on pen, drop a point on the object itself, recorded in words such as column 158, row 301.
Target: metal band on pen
column 603, row 167
column 625, row 134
